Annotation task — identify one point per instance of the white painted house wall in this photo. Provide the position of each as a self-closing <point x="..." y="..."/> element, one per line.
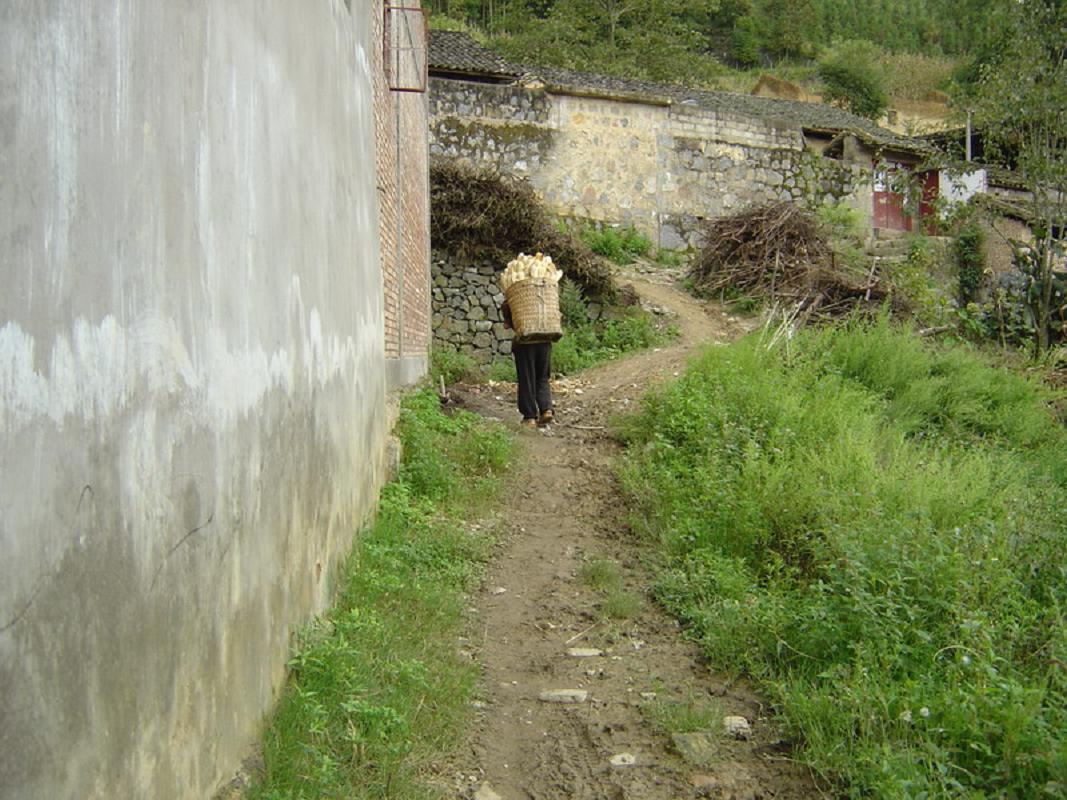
<point x="192" y="376"/>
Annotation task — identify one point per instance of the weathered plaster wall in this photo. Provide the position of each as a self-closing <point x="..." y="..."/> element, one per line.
<point x="661" y="168"/>
<point x="192" y="378"/>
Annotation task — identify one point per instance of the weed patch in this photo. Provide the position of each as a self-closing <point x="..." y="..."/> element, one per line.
<point x="376" y="686"/>
<point x="872" y="529"/>
<point x="623" y="246"/>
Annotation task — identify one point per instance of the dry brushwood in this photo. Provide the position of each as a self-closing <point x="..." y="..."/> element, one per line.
<point x="778" y="252"/>
<point x="475" y="213"/>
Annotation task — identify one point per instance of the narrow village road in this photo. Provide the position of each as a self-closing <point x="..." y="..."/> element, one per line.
<point x="566" y="512"/>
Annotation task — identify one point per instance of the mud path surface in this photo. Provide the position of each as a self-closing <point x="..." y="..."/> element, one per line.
<point x="566" y="510"/>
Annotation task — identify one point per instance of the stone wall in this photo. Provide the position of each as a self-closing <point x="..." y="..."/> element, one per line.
<point x="659" y="167"/>
<point x="466" y="308"/>
<point x="192" y="374"/>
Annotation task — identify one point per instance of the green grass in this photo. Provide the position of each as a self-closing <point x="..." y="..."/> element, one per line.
<point x="619" y="604"/>
<point x="691" y="715"/>
<point x="601" y="575"/>
<point x="874" y="531"/>
<point x="377" y="688"/>
<point x="621" y="245"/>
<point x="450" y="365"/>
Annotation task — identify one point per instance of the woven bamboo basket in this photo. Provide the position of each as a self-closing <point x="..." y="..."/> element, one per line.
<point x="534" y="305"/>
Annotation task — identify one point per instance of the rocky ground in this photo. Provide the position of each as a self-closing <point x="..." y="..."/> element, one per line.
<point x="570" y="696"/>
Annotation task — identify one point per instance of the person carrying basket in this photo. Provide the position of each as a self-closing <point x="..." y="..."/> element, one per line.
<point x="531" y="309"/>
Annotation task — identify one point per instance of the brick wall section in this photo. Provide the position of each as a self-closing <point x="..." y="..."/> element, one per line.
<point x="385" y="156"/>
<point x="414" y="205"/>
<point x="401" y="122"/>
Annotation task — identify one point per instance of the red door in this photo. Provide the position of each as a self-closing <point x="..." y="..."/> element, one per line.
<point x="927" y="206"/>
<point x="889" y="210"/>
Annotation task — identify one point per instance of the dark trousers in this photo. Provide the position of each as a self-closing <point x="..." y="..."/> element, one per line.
<point x="533" y="363"/>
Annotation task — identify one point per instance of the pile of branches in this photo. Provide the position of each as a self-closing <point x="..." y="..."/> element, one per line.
<point x="477" y="214"/>
<point x="779" y="252"/>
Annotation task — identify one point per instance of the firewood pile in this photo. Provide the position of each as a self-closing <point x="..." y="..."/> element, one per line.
<point x="779" y="253"/>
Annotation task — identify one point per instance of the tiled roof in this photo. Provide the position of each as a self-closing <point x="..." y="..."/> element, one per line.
<point x="818" y="116"/>
<point x="458" y="52"/>
<point x="455" y="51"/>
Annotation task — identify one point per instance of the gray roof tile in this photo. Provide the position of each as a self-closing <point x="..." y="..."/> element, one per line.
<point x="458" y="52"/>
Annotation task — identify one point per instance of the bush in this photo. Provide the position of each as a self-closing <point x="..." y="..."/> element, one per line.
<point x="873" y="530"/>
<point x="970" y="261"/>
<point x="852" y="78"/>
<point x="745" y="42"/>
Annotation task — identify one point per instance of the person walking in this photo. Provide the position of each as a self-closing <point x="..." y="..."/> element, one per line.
<point x="533" y="365"/>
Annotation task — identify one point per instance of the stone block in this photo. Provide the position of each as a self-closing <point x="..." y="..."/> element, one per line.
<point x="483" y="325"/>
<point x="483" y="340"/>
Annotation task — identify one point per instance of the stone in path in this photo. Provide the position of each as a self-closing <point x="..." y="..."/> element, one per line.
<point x="564" y="696"/>
<point x="697" y="748"/>
<point x="485" y="792"/>
<point x="584" y="652"/>
<point x="623" y="760"/>
<point x="737" y="727"/>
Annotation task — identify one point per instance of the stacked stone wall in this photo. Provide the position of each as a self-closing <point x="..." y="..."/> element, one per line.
<point x="466" y="308"/>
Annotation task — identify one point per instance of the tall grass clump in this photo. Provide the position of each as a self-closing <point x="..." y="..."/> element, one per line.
<point x="377" y="688"/>
<point x="874" y="530"/>
<point x="623" y="246"/>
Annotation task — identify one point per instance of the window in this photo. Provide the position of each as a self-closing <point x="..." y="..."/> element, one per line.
<point x="405" y="48"/>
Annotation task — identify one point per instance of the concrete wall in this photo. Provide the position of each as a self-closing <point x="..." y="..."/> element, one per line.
<point x="192" y="373"/>
<point x="661" y="168"/>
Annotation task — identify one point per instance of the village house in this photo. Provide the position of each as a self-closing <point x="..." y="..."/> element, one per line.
<point x="662" y="158"/>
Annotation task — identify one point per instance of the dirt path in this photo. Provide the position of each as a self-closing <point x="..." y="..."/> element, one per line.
<point x="568" y="511"/>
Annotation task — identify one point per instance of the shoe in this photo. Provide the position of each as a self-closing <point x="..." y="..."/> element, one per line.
<point x="529" y="423"/>
<point x="546" y="418"/>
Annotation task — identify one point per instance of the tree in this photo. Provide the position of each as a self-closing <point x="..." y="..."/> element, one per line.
<point x="853" y="79"/>
<point x="1020" y="105"/>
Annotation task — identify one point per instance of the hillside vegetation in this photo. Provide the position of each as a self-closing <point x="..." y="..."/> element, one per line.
<point x="712" y="42"/>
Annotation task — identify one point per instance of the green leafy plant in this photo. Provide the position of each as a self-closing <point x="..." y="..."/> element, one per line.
<point x="970" y="261"/>
<point x="450" y="365"/>
<point x="852" y="78"/>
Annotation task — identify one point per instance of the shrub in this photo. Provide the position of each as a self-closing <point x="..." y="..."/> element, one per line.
<point x="745" y="42"/>
<point x="873" y="530"/>
<point x="970" y="260"/>
<point x="853" y="79"/>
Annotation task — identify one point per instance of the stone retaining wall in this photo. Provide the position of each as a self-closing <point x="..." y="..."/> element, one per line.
<point x="466" y="308"/>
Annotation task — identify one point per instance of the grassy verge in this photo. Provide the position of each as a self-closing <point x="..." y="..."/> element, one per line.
<point x="874" y="530"/>
<point x="377" y="687"/>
